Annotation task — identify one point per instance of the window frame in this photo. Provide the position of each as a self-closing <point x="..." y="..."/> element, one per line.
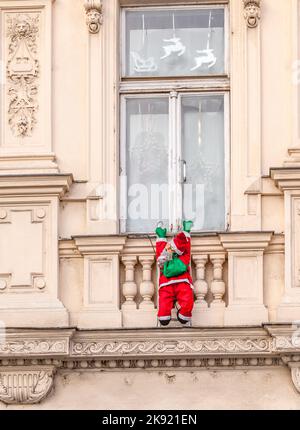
<point x="175" y="143"/>
<point x="151" y="87"/>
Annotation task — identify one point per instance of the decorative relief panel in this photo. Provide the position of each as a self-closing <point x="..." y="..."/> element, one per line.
<point x="26" y="97"/>
<point x="25" y="385"/>
<point x="22" y="71"/>
<point x="34" y="347"/>
<point x="172" y="346"/>
<point x="22" y="248"/>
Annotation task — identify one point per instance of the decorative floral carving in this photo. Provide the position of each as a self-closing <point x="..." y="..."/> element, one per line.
<point x="22" y="72"/>
<point x="287" y="342"/>
<point x="94" y="15"/>
<point x="25" y="385"/>
<point x="34" y="347"/>
<point x="252" y="12"/>
<point x="168" y="346"/>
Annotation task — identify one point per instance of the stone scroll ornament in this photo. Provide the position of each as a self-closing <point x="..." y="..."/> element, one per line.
<point x="252" y="12"/>
<point x="22" y="72"/>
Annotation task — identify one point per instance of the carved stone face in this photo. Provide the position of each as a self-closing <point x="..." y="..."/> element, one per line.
<point x="94" y="19"/>
<point x="252" y="9"/>
<point x="22" y="28"/>
<point x="252" y="13"/>
<point x="93" y="15"/>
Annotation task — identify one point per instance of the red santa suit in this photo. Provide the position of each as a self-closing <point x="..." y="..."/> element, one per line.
<point x="177" y="288"/>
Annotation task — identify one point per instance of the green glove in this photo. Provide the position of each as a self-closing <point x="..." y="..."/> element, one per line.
<point x="174" y="267"/>
<point x="187" y="226"/>
<point x="161" y="232"/>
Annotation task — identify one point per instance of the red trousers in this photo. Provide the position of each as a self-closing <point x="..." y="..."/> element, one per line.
<point x="169" y="294"/>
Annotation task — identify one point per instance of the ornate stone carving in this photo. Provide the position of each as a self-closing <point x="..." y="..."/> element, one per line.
<point x="172" y="346"/>
<point x="22" y="72"/>
<point x="296" y="377"/>
<point x="94" y="15"/>
<point x="252" y="12"/>
<point x="286" y="343"/>
<point x="22" y="385"/>
<point x="34" y="347"/>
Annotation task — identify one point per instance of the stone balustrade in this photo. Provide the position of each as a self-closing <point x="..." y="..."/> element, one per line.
<point x="139" y="290"/>
<point x="116" y="280"/>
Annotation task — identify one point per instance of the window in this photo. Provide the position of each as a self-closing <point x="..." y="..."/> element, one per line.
<point x="174" y="117"/>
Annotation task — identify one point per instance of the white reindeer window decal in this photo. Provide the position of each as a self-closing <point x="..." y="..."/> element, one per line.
<point x="141" y="64"/>
<point x="170" y="42"/>
<point x="175" y="44"/>
<point x="206" y="55"/>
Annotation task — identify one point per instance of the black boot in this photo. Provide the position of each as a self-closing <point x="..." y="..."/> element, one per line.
<point x="181" y="320"/>
<point x="165" y="322"/>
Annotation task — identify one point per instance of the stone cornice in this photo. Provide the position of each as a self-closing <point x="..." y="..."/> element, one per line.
<point x="35" y="184"/>
<point x="33" y="356"/>
<point x="246" y="241"/>
<point x="141" y="245"/>
<point x="68" y="249"/>
<point x="154" y="343"/>
<point x="286" y="178"/>
<point x="89" y="245"/>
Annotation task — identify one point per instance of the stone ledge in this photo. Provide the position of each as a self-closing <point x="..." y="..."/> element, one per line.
<point x="35" y="184"/>
<point x="271" y="339"/>
<point x="33" y="356"/>
<point x="37" y="343"/>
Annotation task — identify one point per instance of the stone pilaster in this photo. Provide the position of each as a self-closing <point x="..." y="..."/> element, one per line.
<point x="29" y="290"/>
<point x="287" y="180"/>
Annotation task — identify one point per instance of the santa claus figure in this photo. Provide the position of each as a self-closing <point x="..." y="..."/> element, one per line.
<point x="175" y="281"/>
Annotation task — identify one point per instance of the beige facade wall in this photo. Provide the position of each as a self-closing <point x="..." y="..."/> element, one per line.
<point x="66" y="271"/>
<point x="173" y="390"/>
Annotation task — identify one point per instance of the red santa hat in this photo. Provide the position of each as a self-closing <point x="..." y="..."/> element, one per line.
<point x="180" y="243"/>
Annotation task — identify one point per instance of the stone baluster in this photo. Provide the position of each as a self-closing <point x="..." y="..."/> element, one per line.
<point x="200" y="284"/>
<point x="147" y="286"/>
<point x="217" y="285"/>
<point x="129" y="286"/>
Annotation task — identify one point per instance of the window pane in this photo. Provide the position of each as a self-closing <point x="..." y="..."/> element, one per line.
<point x="147" y="149"/>
<point x="203" y="151"/>
<point x="175" y="42"/>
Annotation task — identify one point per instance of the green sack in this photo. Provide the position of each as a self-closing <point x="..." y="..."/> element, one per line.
<point x="175" y="267"/>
